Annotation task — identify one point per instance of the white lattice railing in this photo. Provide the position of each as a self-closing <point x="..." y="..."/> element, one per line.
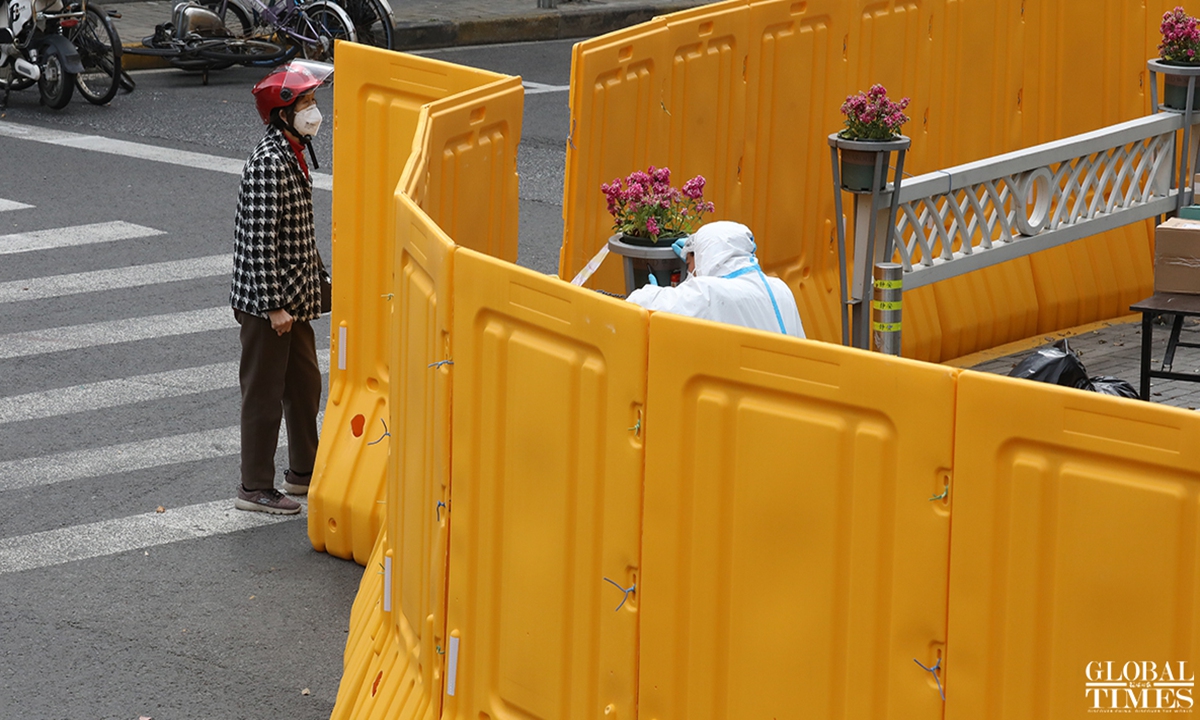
<point x="964" y="218"/>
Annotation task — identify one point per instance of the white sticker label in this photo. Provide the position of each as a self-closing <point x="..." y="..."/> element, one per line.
<point x="452" y="667"/>
<point x="387" y="584"/>
<point x="342" y="348"/>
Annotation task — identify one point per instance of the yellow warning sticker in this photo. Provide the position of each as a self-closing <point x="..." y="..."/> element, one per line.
<point x="885" y="327"/>
<point x="889" y="284"/>
<point x="886" y="304"/>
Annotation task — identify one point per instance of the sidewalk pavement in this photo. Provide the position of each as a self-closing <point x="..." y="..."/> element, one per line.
<point x="446" y="23"/>
<point x="1111" y="348"/>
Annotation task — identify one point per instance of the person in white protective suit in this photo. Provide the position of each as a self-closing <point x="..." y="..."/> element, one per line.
<point x="725" y="284"/>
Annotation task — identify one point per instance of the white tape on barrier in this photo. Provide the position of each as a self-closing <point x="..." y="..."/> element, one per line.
<point x="452" y="667"/>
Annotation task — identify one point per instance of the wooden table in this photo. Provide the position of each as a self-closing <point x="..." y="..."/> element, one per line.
<point x="1179" y="305"/>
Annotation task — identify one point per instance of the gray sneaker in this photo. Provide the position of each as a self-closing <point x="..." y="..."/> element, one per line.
<point x="268" y="501"/>
<point x="294" y="483"/>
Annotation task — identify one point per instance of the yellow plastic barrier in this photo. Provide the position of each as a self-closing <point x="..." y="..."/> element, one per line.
<point x="373" y="653"/>
<point x="465" y="175"/>
<point x="793" y="563"/>
<point x="1074" y="541"/>
<point x="549" y="389"/>
<point x="378" y="98"/>
<point x="395" y="653"/>
<point x="745" y="92"/>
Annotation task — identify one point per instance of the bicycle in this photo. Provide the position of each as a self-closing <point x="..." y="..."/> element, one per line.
<point x="308" y="29"/>
<point x="372" y="22"/>
<point x="94" y="36"/>
<point x="198" y="40"/>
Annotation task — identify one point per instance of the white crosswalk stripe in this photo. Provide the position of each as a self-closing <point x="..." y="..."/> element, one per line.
<point x="115" y="279"/>
<point x="108" y="537"/>
<point x="124" y="148"/>
<point x="126" y="391"/>
<point x="114" y="459"/>
<point x="111" y="332"/>
<point x="73" y="236"/>
<point x="6" y="205"/>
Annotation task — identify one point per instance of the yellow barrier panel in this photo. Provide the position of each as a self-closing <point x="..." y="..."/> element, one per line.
<point x="1009" y="75"/>
<point x="617" y="125"/>
<point x="1074" y="542"/>
<point x="418" y="484"/>
<point x="793" y="562"/>
<point x="549" y="386"/>
<point x="466" y="180"/>
<point x="377" y="99"/>
<point x="380" y="680"/>
<point x="395" y="652"/>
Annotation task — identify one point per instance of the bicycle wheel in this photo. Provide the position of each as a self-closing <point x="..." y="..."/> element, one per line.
<point x="372" y="23"/>
<point x="317" y="25"/>
<point x="241" y="51"/>
<point x="100" y="53"/>
<point x="235" y="17"/>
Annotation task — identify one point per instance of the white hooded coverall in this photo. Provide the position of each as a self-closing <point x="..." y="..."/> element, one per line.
<point x="727" y="285"/>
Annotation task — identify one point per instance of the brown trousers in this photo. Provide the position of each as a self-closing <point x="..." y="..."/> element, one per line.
<point x="280" y="378"/>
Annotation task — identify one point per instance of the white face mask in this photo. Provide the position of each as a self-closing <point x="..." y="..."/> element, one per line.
<point x="308" y="121"/>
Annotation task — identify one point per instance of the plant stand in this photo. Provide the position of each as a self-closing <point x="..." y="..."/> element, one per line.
<point x="1189" y="158"/>
<point x="869" y="248"/>
<point x="642" y="260"/>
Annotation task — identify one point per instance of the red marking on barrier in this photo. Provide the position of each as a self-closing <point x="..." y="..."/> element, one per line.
<point x="356" y="425"/>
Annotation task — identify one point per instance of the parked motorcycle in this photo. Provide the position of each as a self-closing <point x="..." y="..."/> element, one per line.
<point x="44" y="55"/>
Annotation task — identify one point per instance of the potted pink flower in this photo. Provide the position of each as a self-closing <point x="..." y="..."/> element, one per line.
<point x="646" y="209"/>
<point x="873" y="124"/>
<point x="1180" y="46"/>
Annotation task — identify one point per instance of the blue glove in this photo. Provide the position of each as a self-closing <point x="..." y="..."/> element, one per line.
<point x="677" y="246"/>
<point x="653" y="280"/>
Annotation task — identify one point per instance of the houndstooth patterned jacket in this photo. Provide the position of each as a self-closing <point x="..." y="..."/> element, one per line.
<point x="275" y="261"/>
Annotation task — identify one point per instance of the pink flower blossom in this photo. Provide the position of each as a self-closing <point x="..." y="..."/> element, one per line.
<point x="646" y="205"/>
<point x="1180" y="36"/>
<point x="694" y="188"/>
<point x="871" y="115"/>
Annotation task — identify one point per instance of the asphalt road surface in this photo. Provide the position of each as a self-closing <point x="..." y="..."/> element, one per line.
<point x="118" y="398"/>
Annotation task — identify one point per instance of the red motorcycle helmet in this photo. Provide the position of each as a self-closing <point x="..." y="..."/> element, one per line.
<point x="286" y="83"/>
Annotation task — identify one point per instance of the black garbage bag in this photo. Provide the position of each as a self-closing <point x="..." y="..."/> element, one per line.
<point x="1108" y="385"/>
<point x="1056" y="364"/>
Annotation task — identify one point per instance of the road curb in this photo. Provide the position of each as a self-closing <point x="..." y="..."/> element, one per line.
<point x="558" y="24"/>
<point x="140" y="62"/>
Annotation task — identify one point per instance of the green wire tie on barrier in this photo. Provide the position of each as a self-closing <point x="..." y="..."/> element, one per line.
<point x="438" y="509"/>
<point x="885" y="327"/>
<point x="943" y="496"/>
<point x="637" y="428"/>
<point x="889" y="284"/>
<point x="440" y="363"/>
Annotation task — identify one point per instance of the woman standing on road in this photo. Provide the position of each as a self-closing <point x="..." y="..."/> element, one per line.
<point x="277" y="290"/>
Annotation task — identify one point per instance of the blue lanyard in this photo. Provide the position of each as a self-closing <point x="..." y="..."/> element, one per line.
<point x="756" y="268"/>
